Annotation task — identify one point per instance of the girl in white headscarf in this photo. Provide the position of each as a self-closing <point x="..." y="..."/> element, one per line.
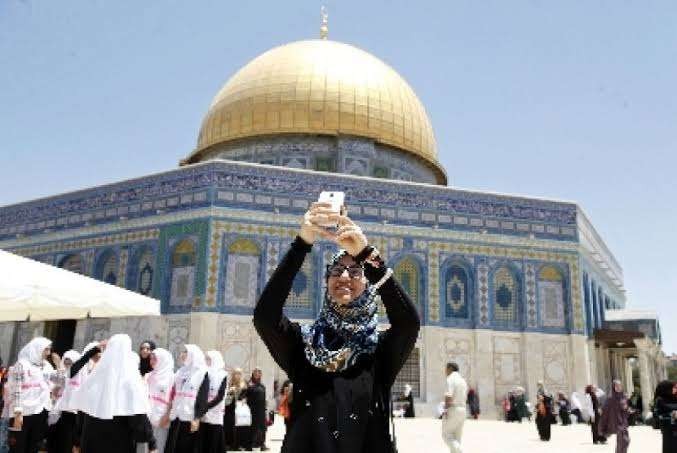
<point x="62" y="435"/>
<point x="191" y="390"/>
<point x="160" y="382"/>
<point x="114" y="401"/>
<point x="30" y="386"/>
<point x="211" y="428"/>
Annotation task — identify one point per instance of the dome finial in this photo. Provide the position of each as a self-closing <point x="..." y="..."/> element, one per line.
<point x="324" y="26"/>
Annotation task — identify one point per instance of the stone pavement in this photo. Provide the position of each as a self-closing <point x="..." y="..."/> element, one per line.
<point x="422" y="435"/>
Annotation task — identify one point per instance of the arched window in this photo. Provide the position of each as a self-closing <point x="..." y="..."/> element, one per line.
<point x="457" y="293"/>
<point x="184" y="258"/>
<point x="106" y="268"/>
<point x="242" y="273"/>
<point x="506" y="298"/>
<point x="73" y="263"/>
<point x="407" y="273"/>
<point x="551" y="296"/>
<point x="145" y="271"/>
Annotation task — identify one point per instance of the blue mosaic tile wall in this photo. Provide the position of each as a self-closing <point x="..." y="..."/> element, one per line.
<point x="258" y="187"/>
<point x="349" y="155"/>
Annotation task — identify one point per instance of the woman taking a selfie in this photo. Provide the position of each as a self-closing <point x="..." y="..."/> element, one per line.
<point x="341" y="366"/>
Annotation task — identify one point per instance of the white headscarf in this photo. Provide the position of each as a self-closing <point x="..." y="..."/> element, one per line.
<point x="71" y="384"/>
<point x="91" y="364"/>
<point x="195" y="366"/>
<point x="163" y="372"/>
<point x="31" y="354"/>
<point x="217" y="370"/>
<point x="407" y="390"/>
<point x="114" y="388"/>
<point x="72" y="355"/>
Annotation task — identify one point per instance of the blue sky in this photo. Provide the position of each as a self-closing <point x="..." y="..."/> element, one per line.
<point x="571" y="100"/>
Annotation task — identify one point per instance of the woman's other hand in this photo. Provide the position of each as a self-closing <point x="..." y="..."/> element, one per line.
<point x="350" y="237"/>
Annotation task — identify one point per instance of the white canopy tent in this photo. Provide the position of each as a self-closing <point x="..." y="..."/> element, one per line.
<point x="30" y="290"/>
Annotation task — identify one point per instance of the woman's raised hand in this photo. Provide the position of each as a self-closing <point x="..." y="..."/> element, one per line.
<point x="348" y="236"/>
<point x="318" y="214"/>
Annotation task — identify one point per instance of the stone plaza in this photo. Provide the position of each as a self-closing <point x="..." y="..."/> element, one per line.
<point x="422" y="435"/>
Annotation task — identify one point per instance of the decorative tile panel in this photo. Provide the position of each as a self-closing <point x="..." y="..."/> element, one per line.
<point x="530" y="286"/>
<point x="483" y="293"/>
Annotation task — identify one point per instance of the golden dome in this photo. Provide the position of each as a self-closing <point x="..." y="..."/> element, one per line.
<point x="320" y="87"/>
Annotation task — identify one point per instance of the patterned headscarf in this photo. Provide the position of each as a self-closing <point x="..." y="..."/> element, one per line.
<point x="342" y="333"/>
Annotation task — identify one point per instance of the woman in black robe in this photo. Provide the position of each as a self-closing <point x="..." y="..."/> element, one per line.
<point x="665" y="410"/>
<point x="256" y="400"/>
<point x="473" y="402"/>
<point x="114" y="403"/>
<point x="564" y="407"/>
<point x="237" y="391"/>
<point x="408" y="399"/>
<point x="614" y="419"/>
<point x="596" y="414"/>
<point x="543" y="417"/>
<point x="341" y="366"/>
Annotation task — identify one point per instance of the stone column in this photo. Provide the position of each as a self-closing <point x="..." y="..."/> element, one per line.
<point x="628" y="384"/>
<point x="644" y="374"/>
<point x="485" y="373"/>
<point x="581" y="365"/>
<point x="603" y="368"/>
<point x="532" y="345"/>
<point x="7" y="352"/>
<point x="203" y="330"/>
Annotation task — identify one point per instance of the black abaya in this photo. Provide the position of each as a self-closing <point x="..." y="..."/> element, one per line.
<point x="409" y="411"/>
<point x="663" y="410"/>
<point x="594" y="425"/>
<point x="181" y="440"/>
<point x="212" y="437"/>
<point x="229" y="421"/>
<point x="543" y="421"/>
<point x="62" y="434"/>
<point x="256" y="400"/>
<point x="119" y="435"/>
<point x="33" y="432"/>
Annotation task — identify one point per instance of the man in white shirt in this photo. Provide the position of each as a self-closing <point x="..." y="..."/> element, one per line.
<point x="454" y="402"/>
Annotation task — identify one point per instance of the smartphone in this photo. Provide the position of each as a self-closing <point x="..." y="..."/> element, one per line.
<point x="336" y="199"/>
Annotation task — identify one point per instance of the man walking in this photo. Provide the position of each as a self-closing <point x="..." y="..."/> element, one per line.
<point x="454" y="404"/>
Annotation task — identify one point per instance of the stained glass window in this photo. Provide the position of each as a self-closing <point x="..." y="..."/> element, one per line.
<point x="456" y="293"/>
<point x="505" y="297"/>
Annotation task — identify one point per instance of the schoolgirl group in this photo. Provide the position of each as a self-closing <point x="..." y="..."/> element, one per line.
<point x="111" y="399"/>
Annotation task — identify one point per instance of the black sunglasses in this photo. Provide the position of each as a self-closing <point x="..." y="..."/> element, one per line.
<point x="338" y="269"/>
